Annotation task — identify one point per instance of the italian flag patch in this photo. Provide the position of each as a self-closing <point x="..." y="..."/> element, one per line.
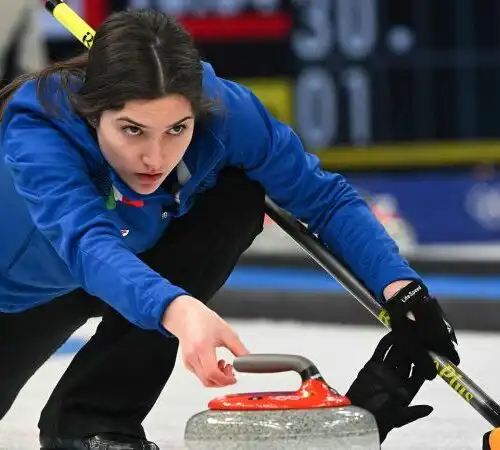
<point x="116" y="196"/>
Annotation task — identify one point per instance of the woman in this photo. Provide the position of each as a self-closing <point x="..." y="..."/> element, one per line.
<point x="132" y="180"/>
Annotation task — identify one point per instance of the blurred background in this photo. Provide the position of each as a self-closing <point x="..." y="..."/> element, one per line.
<point x="401" y="97"/>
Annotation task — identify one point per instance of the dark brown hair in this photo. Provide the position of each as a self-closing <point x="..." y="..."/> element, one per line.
<point x="136" y="54"/>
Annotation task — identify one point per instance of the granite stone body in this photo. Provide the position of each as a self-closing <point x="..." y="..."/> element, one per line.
<point x="340" y="428"/>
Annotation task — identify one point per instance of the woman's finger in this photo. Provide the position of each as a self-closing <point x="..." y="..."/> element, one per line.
<point x="233" y="343"/>
<point x="210" y="365"/>
<point x="193" y="364"/>
<point x="228" y="371"/>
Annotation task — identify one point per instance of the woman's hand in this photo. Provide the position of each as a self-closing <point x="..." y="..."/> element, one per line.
<point x="419" y="325"/>
<point x="200" y="331"/>
<point x="386" y="386"/>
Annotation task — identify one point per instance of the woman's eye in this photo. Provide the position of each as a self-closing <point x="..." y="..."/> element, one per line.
<point x="131" y="130"/>
<point x="178" y="129"/>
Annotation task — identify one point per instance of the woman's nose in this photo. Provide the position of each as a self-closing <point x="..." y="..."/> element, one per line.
<point x="153" y="158"/>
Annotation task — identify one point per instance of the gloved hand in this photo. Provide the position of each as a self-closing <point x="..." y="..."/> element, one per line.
<point x="386" y="385"/>
<point x="429" y="331"/>
<point x="491" y="440"/>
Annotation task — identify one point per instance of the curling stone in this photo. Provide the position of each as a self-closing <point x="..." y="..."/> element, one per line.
<point x="313" y="417"/>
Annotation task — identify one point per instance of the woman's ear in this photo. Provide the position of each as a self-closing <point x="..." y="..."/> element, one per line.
<point x="93" y="121"/>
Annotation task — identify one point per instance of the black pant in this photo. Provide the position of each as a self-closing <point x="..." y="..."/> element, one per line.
<point x="115" y="379"/>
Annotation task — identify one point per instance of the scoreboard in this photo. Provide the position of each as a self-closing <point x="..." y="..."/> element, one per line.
<point x="370" y="73"/>
<point x="365" y="83"/>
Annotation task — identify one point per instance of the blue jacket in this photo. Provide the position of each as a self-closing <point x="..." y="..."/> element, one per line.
<point x="67" y="220"/>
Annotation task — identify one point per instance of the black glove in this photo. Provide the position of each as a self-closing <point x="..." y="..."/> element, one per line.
<point x="429" y="331"/>
<point x="386" y="385"/>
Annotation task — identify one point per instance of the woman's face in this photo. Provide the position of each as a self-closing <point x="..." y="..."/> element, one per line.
<point x="144" y="141"/>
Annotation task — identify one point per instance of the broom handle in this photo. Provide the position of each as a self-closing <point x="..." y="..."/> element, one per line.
<point x="449" y="372"/>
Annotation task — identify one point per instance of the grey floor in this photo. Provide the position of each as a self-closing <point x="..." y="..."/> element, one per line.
<point x="338" y="351"/>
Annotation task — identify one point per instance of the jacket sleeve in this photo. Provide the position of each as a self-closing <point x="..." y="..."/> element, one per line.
<point x="68" y="209"/>
<point x="273" y="154"/>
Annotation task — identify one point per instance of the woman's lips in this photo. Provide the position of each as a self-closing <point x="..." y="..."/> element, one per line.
<point x="145" y="178"/>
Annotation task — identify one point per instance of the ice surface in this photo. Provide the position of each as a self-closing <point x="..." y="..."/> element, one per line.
<point x="338" y="351"/>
